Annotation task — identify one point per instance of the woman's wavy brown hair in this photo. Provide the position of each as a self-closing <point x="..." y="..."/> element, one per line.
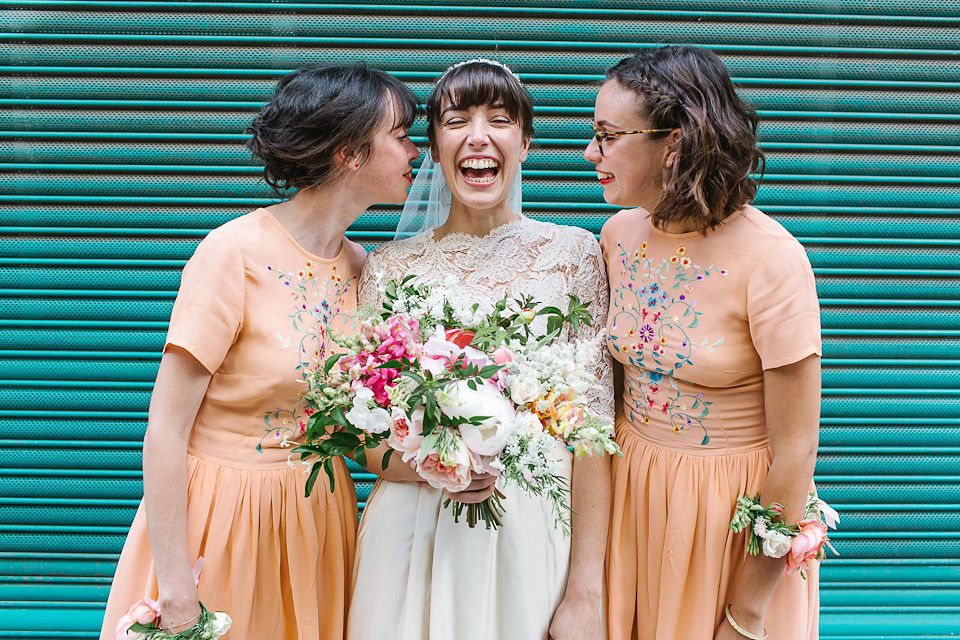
<point x="318" y="111"/>
<point x="688" y="88"/>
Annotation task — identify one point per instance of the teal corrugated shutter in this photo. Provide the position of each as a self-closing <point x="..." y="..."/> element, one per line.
<point x="120" y="137"/>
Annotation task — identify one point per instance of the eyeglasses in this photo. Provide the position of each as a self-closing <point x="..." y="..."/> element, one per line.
<point x="603" y="135"/>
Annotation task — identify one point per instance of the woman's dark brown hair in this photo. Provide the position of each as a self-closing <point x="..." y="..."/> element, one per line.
<point x="479" y="83"/>
<point x="319" y="111"/>
<point x="688" y="88"/>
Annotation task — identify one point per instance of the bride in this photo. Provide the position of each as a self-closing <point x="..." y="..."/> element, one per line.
<point x="419" y="574"/>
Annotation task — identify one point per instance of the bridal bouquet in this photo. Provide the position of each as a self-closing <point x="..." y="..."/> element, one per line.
<point x="457" y="388"/>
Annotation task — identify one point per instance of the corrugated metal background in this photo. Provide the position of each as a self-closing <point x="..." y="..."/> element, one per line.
<point x="120" y="138"/>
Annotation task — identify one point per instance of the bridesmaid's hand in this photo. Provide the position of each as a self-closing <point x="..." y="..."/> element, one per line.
<point x="576" y="618"/>
<point x="481" y="487"/>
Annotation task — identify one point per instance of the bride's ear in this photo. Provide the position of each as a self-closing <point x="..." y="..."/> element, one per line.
<point x="433" y="155"/>
<point x="524" y="149"/>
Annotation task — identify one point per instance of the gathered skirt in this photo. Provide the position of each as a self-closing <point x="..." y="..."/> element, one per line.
<point x="672" y="561"/>
<point x="278" y="563"/>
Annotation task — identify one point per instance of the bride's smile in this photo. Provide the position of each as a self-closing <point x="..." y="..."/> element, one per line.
<point x="479" y="149"/>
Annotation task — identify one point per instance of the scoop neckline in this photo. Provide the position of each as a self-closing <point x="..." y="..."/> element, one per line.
<point x="691" y="234"/>
<point x="276" y="223"/>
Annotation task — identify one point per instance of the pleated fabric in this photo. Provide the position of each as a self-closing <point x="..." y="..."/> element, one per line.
<point x="673" y="562"/>
<point x="277" y="562"/>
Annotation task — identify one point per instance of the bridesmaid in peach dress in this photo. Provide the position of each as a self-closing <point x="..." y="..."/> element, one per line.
<point x="714" y="324"/>
<point x="255" y="303"/>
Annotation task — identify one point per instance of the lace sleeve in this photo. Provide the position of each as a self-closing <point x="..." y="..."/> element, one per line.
<point x="371" y="278"/>
<point x="589" y="283"/>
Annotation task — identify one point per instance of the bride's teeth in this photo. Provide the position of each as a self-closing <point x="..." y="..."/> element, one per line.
<point x="479" y="163"/>
<point x="603" y="176"/>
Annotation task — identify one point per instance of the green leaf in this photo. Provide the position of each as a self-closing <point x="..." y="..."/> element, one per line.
<point x="332" y="360"/>
<point x="386" y="458"/>
<point x="328" y="469"/>
<point x="360" y="457"/>
<point x="490" y="370"/>
<point x="312" y="479"/>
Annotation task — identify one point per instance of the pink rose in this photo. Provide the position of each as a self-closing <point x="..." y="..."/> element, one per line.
<point x="406" y="432"/>
<point x="807" y="545"/>
<point x="144" y="612"/>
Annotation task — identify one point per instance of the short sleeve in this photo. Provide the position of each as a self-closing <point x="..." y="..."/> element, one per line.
<point x="208" y="312"/>
<point x="782" y="307"/>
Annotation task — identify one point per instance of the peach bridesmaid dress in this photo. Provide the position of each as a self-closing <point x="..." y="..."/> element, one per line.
<point x="277" y="562"/>
<point x="695" y="320"/>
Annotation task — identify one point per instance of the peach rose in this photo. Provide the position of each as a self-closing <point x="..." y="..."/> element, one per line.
<point x="807" y="545"/>
<point x="144" y="612"/>
<point x="447" y="468"/>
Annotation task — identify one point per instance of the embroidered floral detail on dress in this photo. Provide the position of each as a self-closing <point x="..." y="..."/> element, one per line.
<point x="653" y="303"/>
<point x="318" y="310"/>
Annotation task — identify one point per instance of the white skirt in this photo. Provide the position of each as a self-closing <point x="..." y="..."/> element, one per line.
<point x="419" y="575"/>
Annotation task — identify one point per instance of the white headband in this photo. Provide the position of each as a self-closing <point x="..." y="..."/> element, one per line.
<point x="484" y="61"/>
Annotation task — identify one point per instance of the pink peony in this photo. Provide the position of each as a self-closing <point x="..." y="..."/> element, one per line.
<point x="808" y="544"/>
<point x="445" y="469"/>
<point x="502" y="355"/>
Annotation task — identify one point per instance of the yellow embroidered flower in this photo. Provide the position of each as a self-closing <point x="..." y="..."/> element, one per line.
<point x="643" y="246"/>
<point x="308" y="264"/>
<point x="674" y="259"/>
<point x="681" y="250"/>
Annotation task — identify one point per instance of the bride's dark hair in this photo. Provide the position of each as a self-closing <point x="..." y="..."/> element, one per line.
<point x="479" y="83"/>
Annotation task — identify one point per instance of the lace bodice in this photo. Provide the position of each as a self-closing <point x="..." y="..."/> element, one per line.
<point x="523" y="257"/>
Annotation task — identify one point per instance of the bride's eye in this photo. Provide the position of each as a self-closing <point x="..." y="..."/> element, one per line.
<point x="453" y="122"/>
<point x="502" y="121"/>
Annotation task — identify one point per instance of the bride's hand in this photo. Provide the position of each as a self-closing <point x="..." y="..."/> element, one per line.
<point x="481" y="487"/>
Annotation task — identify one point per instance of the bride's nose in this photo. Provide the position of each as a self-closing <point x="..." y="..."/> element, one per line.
<point x="478" y="133"/>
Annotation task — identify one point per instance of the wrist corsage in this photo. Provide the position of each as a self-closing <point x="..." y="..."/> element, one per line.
<point x="142" y="622"/>
<point x="799" y="542"/>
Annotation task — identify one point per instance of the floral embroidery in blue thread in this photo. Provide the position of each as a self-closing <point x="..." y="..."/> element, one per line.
<point x="318" y="310"/>
<point x="652" y="299"/>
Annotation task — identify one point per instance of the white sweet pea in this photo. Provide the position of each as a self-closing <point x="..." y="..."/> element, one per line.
<point x="362" y="417"/>
<point x="776" y="544"/>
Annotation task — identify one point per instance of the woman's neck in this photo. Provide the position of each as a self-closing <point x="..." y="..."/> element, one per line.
<point x="317" y="218"/>
<point x="476" y="222"/>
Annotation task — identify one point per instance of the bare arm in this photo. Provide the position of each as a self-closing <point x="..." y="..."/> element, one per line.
<point x="791" y="397"/>
<point x="181" y="384"/>
<point x="578" y="615"/>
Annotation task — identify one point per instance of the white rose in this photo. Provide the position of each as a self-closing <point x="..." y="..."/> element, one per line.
<point x="527" y="424"/>
<point x="220" y="624"/>
<point x="460" y="401"/>
<point x="525" y="388"/>
<point x="776" y="544"/>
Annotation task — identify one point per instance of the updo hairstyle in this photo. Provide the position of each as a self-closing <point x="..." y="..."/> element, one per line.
<point x="317" y="111"/>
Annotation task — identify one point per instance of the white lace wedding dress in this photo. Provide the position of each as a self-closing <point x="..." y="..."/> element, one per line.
<point x="419" y="575"/>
